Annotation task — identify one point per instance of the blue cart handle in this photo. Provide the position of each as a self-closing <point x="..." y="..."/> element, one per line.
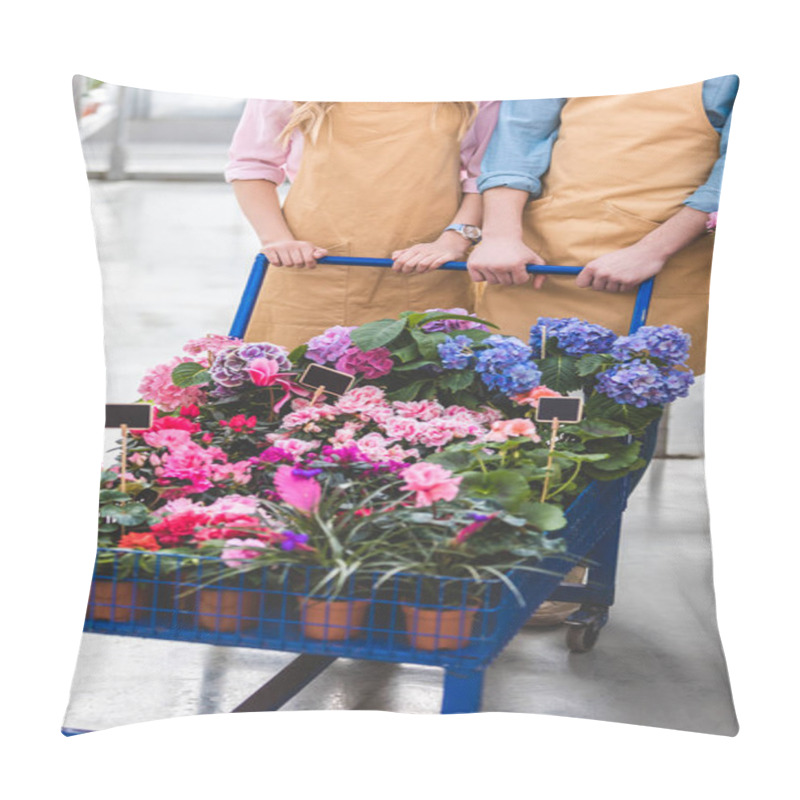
<point x="259" y="270"/>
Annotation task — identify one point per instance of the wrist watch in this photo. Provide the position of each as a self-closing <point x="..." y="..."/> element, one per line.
<point x="472" y="233"/>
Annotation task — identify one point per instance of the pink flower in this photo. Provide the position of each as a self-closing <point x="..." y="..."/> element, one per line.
<point x="157" y="387"/>
<point x="237" y="551"/>
<point x="431" y="482"/>
<point x="360" y="399"/>
<point x="262" y="371"/>
<point x="371" y="364"/>
<point x="212" y="344"/>
<point x="435" y="436"/>
<point x="302" y="492"/>
<point x="170" y="438"/>
<point x="531" y="398"/>
<point x="505" y="429"/>
<point x="421" y="410"/>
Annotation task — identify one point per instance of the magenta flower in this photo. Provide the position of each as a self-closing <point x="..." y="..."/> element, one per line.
<point x="431" y="482"/>
<point x="266" y="372"/>
<point x="371" y="364"/>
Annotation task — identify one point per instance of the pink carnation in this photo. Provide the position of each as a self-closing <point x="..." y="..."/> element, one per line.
<point x="157" y="388"/>
<point x="170" y="437"/>
<point x="431" y="482"/>
<point x="422" y="410"/>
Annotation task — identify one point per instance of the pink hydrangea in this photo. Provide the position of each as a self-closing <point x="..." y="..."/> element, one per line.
<point x="431" y="482"/>
<point x="157" y="388"/>
<point x="371" y="364"/>
<point x="210" y="344"/>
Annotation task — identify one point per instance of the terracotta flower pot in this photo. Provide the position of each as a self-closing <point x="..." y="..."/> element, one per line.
<point x="332" y="620"/>
<point x="438" y="628"/>
<point x="118" y="601"/>
<point x="225" y="610"/>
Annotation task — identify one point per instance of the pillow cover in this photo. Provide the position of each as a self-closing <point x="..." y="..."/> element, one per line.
<point x="391" y="445"/>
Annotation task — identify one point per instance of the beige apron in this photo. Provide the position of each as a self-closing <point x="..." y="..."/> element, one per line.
<point x="621" y="165"/>
<point x="380" y="177"/>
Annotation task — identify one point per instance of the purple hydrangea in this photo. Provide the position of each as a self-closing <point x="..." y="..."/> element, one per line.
<point x="449" y="325"/>
<point x="507" y="365"/>
<point x="229" y="370"/>
<point x="641" y="383"/>
<point x="331" y="345"/>
<point x="666" y="342"/>
<point x="456" y="352"/>
<point x="575" y="337"/>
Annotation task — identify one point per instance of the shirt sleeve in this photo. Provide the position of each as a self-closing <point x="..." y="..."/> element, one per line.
<point x="718" y="97"/>
<point x="255" y="153"/>
<point x="519" y="151"/>
<point x="474" y="144"/>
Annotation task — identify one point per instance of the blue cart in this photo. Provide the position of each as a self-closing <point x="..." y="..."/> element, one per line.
<point x="161" y="600"/>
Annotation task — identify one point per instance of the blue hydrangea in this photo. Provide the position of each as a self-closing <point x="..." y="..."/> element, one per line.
<point x="575" y="337"/>
<point x="506" y="364"/>
<point x="666" y="342"/>
<point x="456" y="352"/>
<point x="641" y="383"/>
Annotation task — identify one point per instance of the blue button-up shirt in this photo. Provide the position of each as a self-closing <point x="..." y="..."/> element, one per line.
<point x="519" y="151"/>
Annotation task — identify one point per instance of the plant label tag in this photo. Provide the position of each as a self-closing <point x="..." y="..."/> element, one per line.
<point x="564" y="409"/>
<point x="134" y="415"/>
<point x="331" y="381"/>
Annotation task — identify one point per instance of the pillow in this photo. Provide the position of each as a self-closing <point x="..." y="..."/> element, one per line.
<point x="339" y="457"/>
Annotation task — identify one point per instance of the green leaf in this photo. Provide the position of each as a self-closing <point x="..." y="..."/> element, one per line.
<point x="637" y="419"/>
<point x="407" y="392"/>
<point x="602" y="428"/>
<point x="457" y="381"/>
<point x="407" y="353"/>
<point x="619" y="457"/>
<point x="590" y="363"/>
<point x="504" y="486"/>
<point x="132" y="514"/>
<point x="190" y="374"/>
<point x="377" y="334"/>
<point x="560" y="373"/>
<point x="544" y="516"/>
<point x="298" y="353"/>
<point x="428" y="343"/>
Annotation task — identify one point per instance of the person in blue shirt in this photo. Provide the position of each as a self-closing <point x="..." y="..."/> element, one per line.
<point x="620" y="185"/>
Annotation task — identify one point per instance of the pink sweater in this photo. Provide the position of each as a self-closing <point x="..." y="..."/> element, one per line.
<point x="256" y="155"/>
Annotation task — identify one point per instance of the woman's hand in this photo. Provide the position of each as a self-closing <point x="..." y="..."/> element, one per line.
<point x="450" y="246"/>
<point x="503" y="261"/>
<point x="291" y="253"/>
<point x="622" y="270"/>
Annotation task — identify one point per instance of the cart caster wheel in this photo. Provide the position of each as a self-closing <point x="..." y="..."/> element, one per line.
<point x="581" y="638"/>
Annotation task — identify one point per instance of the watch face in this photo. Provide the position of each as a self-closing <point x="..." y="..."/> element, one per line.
<point x="471" y="232"/>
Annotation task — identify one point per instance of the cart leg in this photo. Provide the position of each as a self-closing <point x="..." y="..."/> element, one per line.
<point x="462" y="691"/>
<point x="286" y="684"/>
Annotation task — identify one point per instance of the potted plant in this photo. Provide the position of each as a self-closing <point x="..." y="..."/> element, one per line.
<point x="448" y="548"/>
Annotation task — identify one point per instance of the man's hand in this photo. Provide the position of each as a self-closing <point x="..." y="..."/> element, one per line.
<point x="502" y="261"/>
<point x="622" y="270"/>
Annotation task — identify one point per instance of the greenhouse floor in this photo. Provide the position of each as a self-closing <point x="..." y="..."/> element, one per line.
<point x="658" y="661"/>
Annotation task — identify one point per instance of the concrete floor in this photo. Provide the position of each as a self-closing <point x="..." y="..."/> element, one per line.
<point x="174" y="258"/>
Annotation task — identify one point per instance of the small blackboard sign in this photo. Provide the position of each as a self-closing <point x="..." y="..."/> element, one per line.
<point x="564" y="409"/>
<point x="333" y="381"/>
<point x="134" y="415"/>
